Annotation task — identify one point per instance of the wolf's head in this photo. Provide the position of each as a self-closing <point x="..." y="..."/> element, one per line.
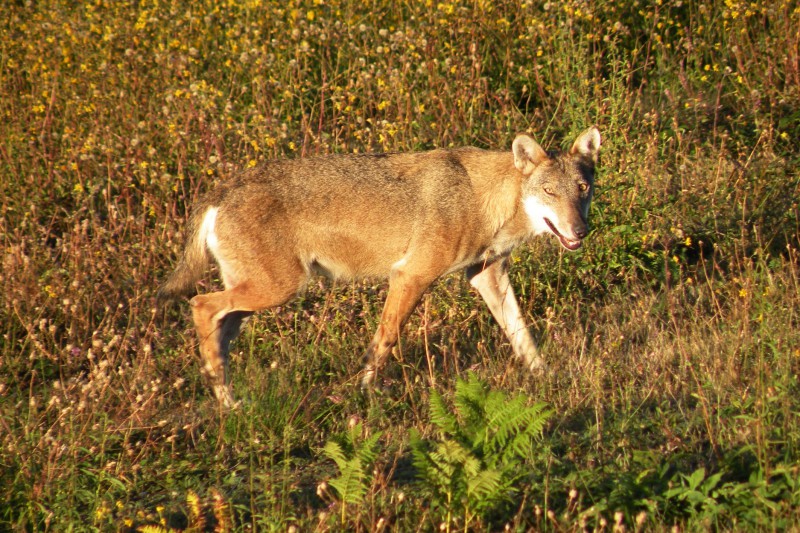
<point x="557" y="189"/>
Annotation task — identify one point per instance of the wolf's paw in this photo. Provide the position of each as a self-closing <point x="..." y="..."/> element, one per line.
<point x="368" y="378"/>
<point x="536" y="365"/>
<point x="225" y="398"/>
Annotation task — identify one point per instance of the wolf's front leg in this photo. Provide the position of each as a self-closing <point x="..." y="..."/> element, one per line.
<point x="405" y="291"/>
<point x="492" y="282"/>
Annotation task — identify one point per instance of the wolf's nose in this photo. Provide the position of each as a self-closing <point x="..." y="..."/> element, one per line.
<point x="581" y="232"/>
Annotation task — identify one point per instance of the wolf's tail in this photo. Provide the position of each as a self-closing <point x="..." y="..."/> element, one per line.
<point x="191" y="266"/>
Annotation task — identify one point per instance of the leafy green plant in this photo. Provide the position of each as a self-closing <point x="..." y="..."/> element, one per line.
<point x="473" y="465"/>
<point x="709" y="499"/>
<point x="699" y="492"/>
<point x="354" y="455"/>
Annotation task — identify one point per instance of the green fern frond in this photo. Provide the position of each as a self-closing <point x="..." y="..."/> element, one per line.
<point x="513" y="424"/>
<point x="471" y="389"/>
<point x="354" y="458"/>
<point x="451" y="452"/>
<point x="419" y="449"/>
<point x="470" y="403"/>
<point x="351" y="484"/>
<point x="486" y="484"/>
<point x="484" y="440"/>
<point x="367" y="451"/>
<point x="333" y="450"/>
<point x="440" y="415"/>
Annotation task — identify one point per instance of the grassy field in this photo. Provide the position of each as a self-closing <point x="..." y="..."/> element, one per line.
<point x="672" y="398"/>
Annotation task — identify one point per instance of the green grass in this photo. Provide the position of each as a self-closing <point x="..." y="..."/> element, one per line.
<point x="672" y="336"/>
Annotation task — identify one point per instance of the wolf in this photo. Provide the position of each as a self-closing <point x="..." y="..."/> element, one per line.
<point x="410" y="218"/>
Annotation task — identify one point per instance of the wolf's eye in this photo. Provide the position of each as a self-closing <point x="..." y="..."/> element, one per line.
<point x="549" y="191"/>
<point x="583" y="187"/>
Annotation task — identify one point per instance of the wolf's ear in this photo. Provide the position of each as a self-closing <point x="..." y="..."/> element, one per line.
<point x="527" y="153"/>
<point x="587" y="144"/>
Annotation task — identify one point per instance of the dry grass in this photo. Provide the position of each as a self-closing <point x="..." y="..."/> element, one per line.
<point x="672" y="336"/>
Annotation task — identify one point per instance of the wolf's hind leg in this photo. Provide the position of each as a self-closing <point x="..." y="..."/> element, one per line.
<point x="230" y="327"/>
<point x="219" y="316"/>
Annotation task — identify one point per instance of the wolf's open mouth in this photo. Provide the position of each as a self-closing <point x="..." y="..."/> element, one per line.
<point x="566" y="243"/>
